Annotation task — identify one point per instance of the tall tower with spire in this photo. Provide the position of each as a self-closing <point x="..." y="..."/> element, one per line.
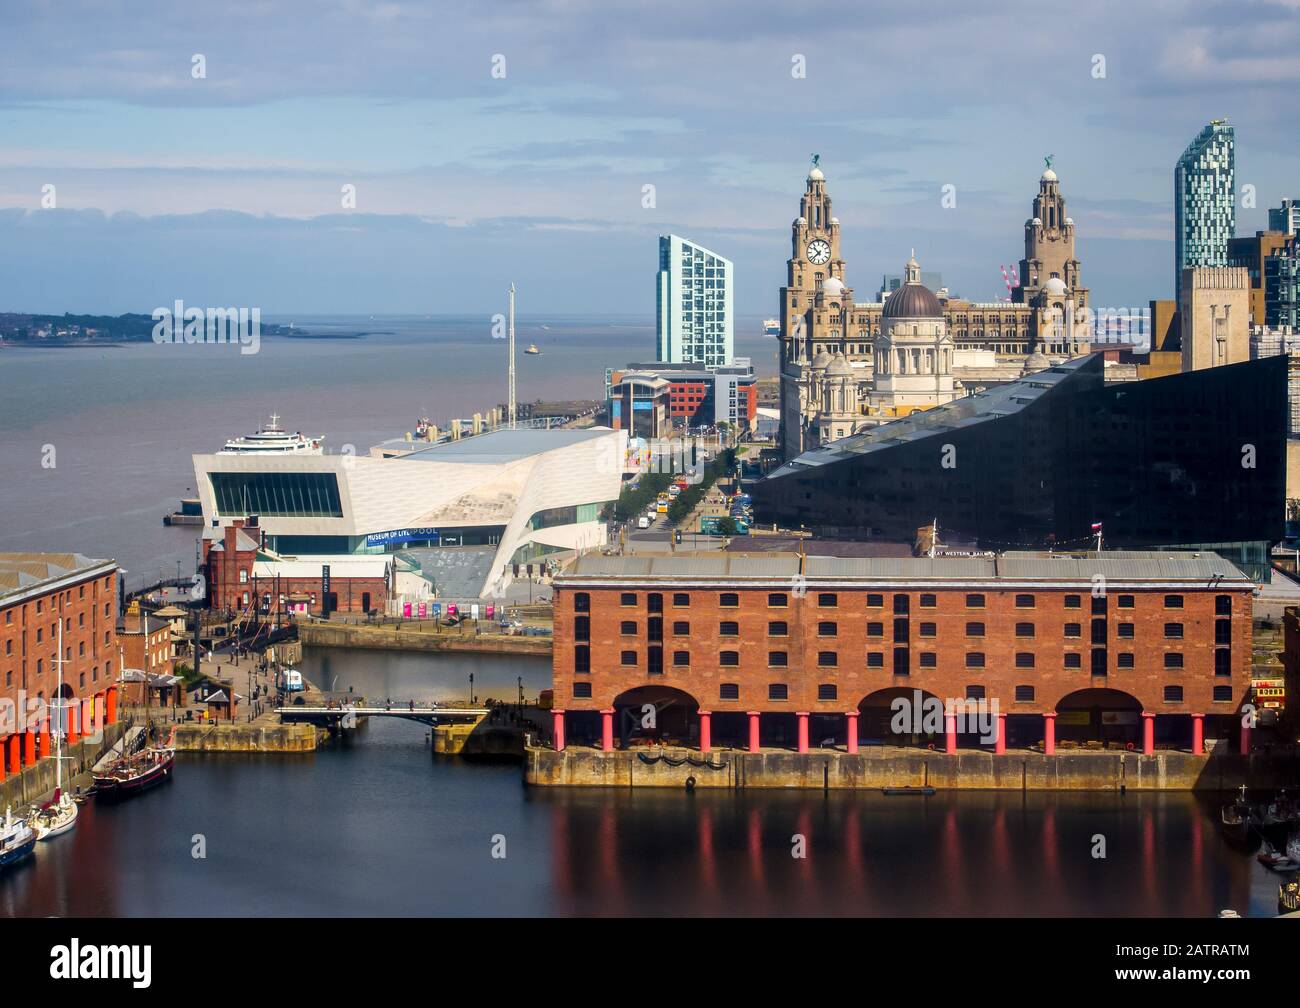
<point x="1049" y="275"/>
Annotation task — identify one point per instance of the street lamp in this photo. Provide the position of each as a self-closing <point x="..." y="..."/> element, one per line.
<point x="471" y="689"/>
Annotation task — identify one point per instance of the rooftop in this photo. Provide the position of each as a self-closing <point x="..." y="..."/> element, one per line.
<point x="1075" y="567"/>
<point x="22" y="571"/>
<point x="501" y="446"/>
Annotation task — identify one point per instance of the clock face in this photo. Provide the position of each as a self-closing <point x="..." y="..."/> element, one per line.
<point x="819" y="251"/>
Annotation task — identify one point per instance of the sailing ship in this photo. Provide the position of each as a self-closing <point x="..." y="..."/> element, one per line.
<point x="59" y="815"/>
<point x="17" y="840"/>
<point x="532" y="349"/>
<point x="137" y="772"/>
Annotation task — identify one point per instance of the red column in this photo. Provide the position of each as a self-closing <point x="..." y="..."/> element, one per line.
<point x="803" y="730"/>
<point x="4" y="752"/>
<point x="706" y="731"/>
<point x="853" y="730"/>
<point x="1000" y="740"/>
<point x="29" y="748"/>
<point x="753" y="731"/>
<point x="950" y="732"/>
<point x="1148" y="734"/>
<point x="72" y="723"/>
<point x="110" y="705"/>
<point x="557" y="730"/>
<point x="1049" y="733"/>
<point x="1245" y="739"/>
<point x="607" y="729"/>
<point x="1198" y="734"/>
<point x="14" y="752"/>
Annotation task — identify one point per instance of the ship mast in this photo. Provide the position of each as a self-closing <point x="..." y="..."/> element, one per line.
<point x="510" y="335"/>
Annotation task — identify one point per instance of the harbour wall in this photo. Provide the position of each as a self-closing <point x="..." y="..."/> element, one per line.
<point x="36" y="782"/>
<point x="388" y="638"/>
<point x="881" y="768"/>
<point x="261" y="738"/>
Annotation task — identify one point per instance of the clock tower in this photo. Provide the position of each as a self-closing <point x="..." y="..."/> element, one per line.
<point x="814" y="311"/>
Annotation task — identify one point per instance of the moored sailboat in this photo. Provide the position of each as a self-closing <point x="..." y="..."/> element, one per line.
<point x="58" y="816"/>
<point x="138" y="772"/>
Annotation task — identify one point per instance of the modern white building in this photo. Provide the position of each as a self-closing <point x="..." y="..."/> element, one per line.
<point x="1205" y="202"/>
<point x="693" y="304"/>
<point x="471" y="508"/>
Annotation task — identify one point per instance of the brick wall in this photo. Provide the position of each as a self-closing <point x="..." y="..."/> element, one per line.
<point x="864" y="623"/>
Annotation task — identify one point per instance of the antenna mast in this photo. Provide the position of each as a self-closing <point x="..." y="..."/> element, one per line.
<point x="510" y="330"/>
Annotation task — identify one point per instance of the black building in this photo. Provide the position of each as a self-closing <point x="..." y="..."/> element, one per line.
<point x="1194" y="460"/>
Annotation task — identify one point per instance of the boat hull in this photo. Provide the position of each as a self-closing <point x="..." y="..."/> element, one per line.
<point x="57" y="827"/>
<point x="116" y="787"/>
<point x="18" y="853"/>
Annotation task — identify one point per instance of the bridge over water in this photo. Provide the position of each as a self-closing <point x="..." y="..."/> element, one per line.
<point x="334" y="717"/>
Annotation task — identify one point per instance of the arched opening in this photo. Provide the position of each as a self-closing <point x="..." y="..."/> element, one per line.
<point x="647" y="715"/>
<point x="1101" y="717"/>
<point x="918" y="722"/>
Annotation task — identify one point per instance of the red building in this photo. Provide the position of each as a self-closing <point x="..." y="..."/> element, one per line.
<point x="38" y="592"/>
<point x="1119" y="648"/>
<point x="696" y="396"/>
<point x="243" y="576"/>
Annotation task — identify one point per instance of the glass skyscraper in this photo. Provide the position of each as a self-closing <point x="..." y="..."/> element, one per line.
<point x="1205" y="207"/>
<point x="693" y="304"/>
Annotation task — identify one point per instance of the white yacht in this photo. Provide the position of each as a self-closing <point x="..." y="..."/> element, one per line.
<point x="274" y="440"/>
<point x="771" y="327"/>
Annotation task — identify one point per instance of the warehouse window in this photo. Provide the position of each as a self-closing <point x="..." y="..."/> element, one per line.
<point x="875" y="629"/>
<point x="1223" y="605"/>
<point x="1223" y="631"/>
<point x="1125" y="630"/>
<point x="1024" y="629"/>
<point x="827" y="691"/>
<point x="902" y="605"/>
<point x="1126" y="601"/>
<point x="1173" y="659"/>
<point x="582" y="628"/>
<point x="828" y="659"/>
<point x="875" y="659"/>
<point x="778" y="691"/>
<point x="729" y="600"/>
<point x="681" y="658"/>
<point x="728" y="628"/>
<point x="1073" y="660"/>
<point x="974" y="692"/>
<point x="1024" y="659"/>
<point x="628" y="628"/>
<point x="929" y="601"/>
<point x="1173" y="694"/>
<point x="627" y="599"/>
<point x="1223" y="694"/>
<point x="974" y="601"/>
<point x="875" y="601"/>
<point x="777" y="600"/>
<point x="928" y="659"/>
<point x="1073" y="630"/>
<point x="681" y="599"/>
<point x="729" y="691"/>
<point x="681" y="628"/>
<point x="629" y="658"/>
<point x="1024" y="601"/>
<point x="729" y="659"/>
<point x="582" y="691"/>
<point x="777" y="628"/>
<point x="1024" y="694"/>
<point x="582" y="659"/>
<point x="929" y="630"/>
<point x="1073" y="601"/>
<point x="826" y="628"/>
<point x="581" y="602"/>
<point x="1173" y="601"/>
<point x="975" y="659"/>
<point x="778" y="659"/>
<point x="1223" y="662"/>
<point x="654" y="602"/>
<point x="1173" y="631"/>
<point x="828" y="600"/>
<point x="974" y="629"/>
<point x="1124" y="659"/>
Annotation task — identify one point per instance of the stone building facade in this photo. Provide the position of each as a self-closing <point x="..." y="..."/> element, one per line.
<point x="831" y="344"/>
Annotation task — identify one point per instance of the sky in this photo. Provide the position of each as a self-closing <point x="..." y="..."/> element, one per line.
<point x="512" y="141"/>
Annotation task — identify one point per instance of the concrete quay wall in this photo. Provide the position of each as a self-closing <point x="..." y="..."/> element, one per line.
<point x="981" y="771"/>
<point x="389" y="638"/>
<point x="261" y="738"/>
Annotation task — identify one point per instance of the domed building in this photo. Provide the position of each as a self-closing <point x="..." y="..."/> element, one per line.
<point x="916" y="345"/>
<point x="912" y="360"/>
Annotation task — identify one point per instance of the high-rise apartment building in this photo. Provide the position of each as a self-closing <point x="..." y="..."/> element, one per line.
<point x="694" y="296"/>
<point x="1205" y="209"/>
<point x="1285" y="218"/>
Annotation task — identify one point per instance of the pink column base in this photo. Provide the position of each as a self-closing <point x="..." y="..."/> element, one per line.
<point x="1148" y="734"/>
<point x="1000" y="740"/>
<point x="1198" y="734"/>
<point x="753" y="730"/>
<point x="852" y="717"/>
<point x="607" y="729"/>
<point x="803" y="730"/>
<point x="950" y="733"/>
<point x="557" y="730"/>
<point x="706" y="731"/>
<point x="1049" y="734"/>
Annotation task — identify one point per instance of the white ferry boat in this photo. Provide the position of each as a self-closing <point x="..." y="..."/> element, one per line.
<point x="274" y="440"/>
<point x="772" y="327"/>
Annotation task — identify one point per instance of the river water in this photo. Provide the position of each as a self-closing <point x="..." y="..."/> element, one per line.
<point x="377" y="826"/>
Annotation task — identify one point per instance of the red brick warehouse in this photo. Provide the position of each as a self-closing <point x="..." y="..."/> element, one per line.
<point x="38" y="592"/>
<point x="1132" y="648"/>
